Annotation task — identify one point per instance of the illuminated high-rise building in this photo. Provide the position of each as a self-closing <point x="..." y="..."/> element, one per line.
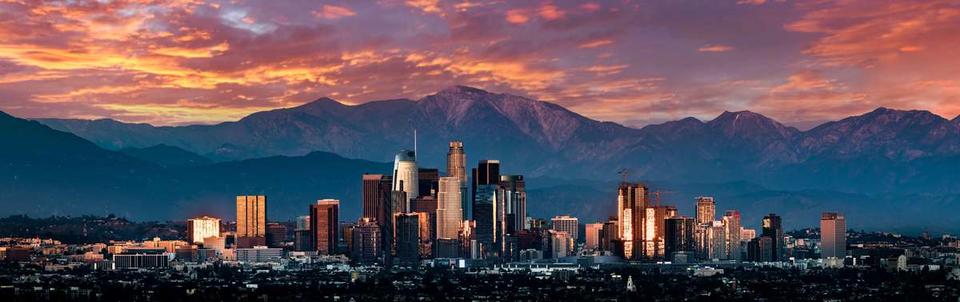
<point x="833" y="235"/>
<point x="592" y="235"/>
<point x="706" y="210"/>
<point x="731" y="223"/>
<point x="567" y="224"/>
<point x="514" y="194"/>
<point x="405" y="175"/>
<point x="324" y="225"/>
<point x="251" y="221"/>
<point x="202" y="227"/>
<point x="653" y="231"/>
<point x="449" y="213"/>
<point x="772" y="228"/>
<point x="457" y="161"/>
<point x="457" y="167"/>
<point x="631" y="200"/>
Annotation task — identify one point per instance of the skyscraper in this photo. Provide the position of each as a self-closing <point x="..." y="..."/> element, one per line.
<point x="706" y="210"/>
<point x="592" y="235"/>
<point x="631" y="200"/>
<point x="365" y="245"/>
<point x="514" y="195"/>
<point x="833" y="235"/>
<point x="487" y="172"/>
<point x="427" y="182"/>
<point x="202" y="227"/>
<point x="405" y="175"/>
<point x="376" y="196"/>
<point x="567" y="224"/>
<point x="251" y="221"/>
<point x="678" y="235"/>
<point x="457" y="167"/>
<point x="302" y="239"/>
<point x="276" y="234"/>
<point x="457" y="161"/>
<point x="772" y="228"/>
<point x="408" y="238"/>
<point x="485" y="214"/>
<point x="449" y="213"/>
<point x="653" y="231"/>
<point x="324" y="224"/>
<point x="731" y="221"/>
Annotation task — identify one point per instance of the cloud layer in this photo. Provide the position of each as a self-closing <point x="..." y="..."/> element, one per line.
<point x="634" y="62"/>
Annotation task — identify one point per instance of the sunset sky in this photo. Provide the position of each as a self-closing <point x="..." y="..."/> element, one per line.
<point x="633" y="62"/>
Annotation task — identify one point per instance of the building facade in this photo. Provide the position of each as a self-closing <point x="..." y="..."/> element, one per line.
<point x="324" y="225"/>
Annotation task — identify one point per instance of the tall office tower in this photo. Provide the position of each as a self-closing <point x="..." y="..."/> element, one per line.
<point x="653" y="231"/>
<point x="731" y="223"/>
<point x="678" y="236"/>
<point x="608" y="236"/>
<point x="715" y="240"/>
<point x="449" y="213"/>
<point x="706" y="210"/>
<point x="345" y="237"/>
<point x="592" y="235"/>
<point x="567" y="224"/>
<point x="405" y="175"/>
<point x="487" y="172"/>
<point x="324" y="222"/>
<point x="457" y="161"/>
<point x="408" y="238"/>
<point x="376" y="196"/>
<point x="760" y="249"/>
<point x="426" y="235"/>
<point x="560" y="243"/>
<point x="514" y="194"/>
<point x="428" y="182"/>
<point x="631" y="200"/>
<point x="833" y="235"/>
<point x="202" y="227"/>
<point x="772" y="228"/>
<point x="705" y="215"/>
<point x="251" y="221"/>
<point x="276" y="234"/>
<point x="485" y="214"/>
<point x="365" y="245"/>
<point x="302" y="240"/>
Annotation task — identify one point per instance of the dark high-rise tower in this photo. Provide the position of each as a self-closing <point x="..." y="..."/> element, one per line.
<point x="678" y="235"/>
<point x="514" y="194"/>
<point x="408" y="238"/>
<point x="429" y="180"/>
<point x="773" y="229"/>
<point x="324" y="223"/>
<point x="376" y="196"/>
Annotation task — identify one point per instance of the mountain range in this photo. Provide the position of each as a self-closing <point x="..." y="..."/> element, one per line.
<point x="884" y="150"/>
<point x="872" y="165"/>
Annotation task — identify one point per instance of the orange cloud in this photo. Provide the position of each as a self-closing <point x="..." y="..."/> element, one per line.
<point x="427" y="6"/>
<point x="551" y="12"/>
<point x="517" y="16"/>
<point x="596" y="43"/>
<point x="715" y="48"/>
<point x="334" y="12"/>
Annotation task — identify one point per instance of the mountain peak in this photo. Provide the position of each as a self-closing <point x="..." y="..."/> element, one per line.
<point x="461" y="89"/>
<point x="748" y="123"/>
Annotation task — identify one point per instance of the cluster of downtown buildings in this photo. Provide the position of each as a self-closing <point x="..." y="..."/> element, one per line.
<point x="414" y="214"/>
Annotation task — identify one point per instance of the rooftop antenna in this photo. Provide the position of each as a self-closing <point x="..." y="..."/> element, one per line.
<point x="414" y="142"/>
